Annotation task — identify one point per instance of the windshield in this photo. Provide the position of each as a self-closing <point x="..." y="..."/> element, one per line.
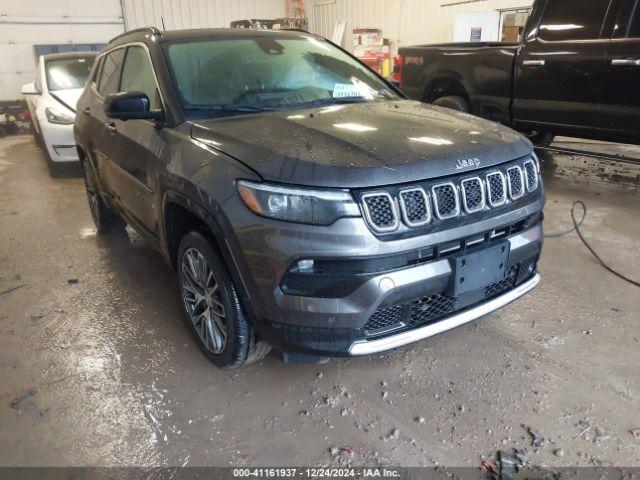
<point x="269" y="72"/>
<point x="65" y="73"/>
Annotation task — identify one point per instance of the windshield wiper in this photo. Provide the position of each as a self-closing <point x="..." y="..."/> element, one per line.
<point x="229" y="108"/>
<point x="331" y="101"/>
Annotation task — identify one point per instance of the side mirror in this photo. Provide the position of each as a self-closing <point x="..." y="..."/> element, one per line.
<point x="130" y="106"/>
<point x="30" y="89"/>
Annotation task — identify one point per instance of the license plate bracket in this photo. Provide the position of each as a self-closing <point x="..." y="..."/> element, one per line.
<point x="481" y="268"/>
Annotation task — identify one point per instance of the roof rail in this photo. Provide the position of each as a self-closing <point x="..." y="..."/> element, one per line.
<point x="152" y="30"/>
<point x="292" y="29"/>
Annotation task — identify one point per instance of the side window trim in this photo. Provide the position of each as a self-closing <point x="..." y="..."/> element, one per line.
<point x="124" y="63"/>
<point x="98" y="72"/>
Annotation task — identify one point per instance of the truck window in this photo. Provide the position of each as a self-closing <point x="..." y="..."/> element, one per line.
<point x="625" y="18"/>
<point x="573" y="20"/>
<point x="634" y="26"/>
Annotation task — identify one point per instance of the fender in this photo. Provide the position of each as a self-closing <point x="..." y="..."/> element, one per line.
<point x="226" y="242"/>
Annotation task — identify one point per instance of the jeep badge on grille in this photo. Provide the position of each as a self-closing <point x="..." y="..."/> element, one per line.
<point x="467" y="163"/>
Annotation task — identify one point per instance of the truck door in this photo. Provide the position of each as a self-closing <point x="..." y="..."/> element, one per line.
<point x="560" y="71"/>
<point x="621" y="100"/>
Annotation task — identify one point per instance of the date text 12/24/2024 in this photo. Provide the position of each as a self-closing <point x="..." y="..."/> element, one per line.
<point x="315" y="472"/>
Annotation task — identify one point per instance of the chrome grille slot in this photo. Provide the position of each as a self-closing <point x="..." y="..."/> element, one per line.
<point x="414" y="204"/>
<point x="515" y="179"/>
<point x="473" y="194"/>
<point x="496" y="189"/>
<point x="531" y="175"/>
<point x="445" y="201"/>
<point x="380" y="211"/>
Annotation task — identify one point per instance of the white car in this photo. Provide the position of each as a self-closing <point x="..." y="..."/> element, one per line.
<point x="52" y="99"/>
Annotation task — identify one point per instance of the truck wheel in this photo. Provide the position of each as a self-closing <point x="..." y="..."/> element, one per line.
<point x="541" y="139"/>
<point x="104" y="218"/>
<point x="454" y="102"/>
<point x="214" y="312"/>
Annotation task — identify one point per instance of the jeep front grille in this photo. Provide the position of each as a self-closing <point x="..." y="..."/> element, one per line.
<point x="433" y="202"/>
<point x="496" y="189"/>
<point x="445" y="200"/>
<point x="380" y="211"/>
<point x="531" y="175"/>
<point x="414" y="203"/>
<point x="473" y="194"/>
<point x="516" y="182"/>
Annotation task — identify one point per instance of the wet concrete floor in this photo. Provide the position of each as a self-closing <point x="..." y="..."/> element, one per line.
<point x="98" y="368"/>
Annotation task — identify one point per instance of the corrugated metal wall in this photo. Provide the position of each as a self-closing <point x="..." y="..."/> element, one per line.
<point x="405" y="22"/>
<point x="197" y="13"/>
<point x="25" y="23"/>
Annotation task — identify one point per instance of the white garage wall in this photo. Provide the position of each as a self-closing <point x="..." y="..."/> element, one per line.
<point x="404" y="22"/>
<point x="197" y="13"/>
<point x="24" y="23"/>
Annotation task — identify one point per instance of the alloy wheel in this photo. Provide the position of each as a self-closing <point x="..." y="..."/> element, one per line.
<point x="92" y="193"/>
<point x="203" y="300"/>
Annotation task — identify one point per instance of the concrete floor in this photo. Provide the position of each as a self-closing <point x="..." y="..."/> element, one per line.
<point x="98" y="368"/>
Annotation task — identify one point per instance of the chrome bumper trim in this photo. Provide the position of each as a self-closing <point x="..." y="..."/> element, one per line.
<point x="366" y="347"/>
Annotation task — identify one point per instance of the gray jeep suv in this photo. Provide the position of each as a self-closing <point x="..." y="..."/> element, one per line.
<point x="305" y="203"/>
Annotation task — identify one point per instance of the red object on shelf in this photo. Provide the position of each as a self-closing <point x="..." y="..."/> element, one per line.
<point x="397" y="68"/>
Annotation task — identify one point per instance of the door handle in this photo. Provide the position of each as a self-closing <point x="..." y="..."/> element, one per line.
<point x="534" y="63"/>
<point x="86" y="110"/>
<point x="625" y="62"/>
<point x="111" y="127"/>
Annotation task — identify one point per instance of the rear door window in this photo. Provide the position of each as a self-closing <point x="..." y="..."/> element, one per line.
<point x="573" y="20"/>
<point x="110" y="77"/>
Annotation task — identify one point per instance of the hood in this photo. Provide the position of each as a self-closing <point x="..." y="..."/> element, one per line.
<point x="361" y="145"/>
<point x="69" y="98"/>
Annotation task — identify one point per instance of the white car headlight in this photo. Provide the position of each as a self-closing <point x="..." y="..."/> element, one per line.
<point x="54" y="116"/>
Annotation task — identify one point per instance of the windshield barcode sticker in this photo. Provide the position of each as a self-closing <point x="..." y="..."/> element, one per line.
<point x="346" y="90"/>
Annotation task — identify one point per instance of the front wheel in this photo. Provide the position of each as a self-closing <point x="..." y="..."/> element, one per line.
<point x="104" y="218"/>
<point x="213" y="307"/>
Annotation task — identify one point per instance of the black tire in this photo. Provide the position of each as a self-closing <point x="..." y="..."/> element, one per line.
<point x="541" y="139"/>
<point x="36" y="135"/>
<point x="104" y="218"/>
<point x="241" y="345"/>
<point x="55" y="169"/>
<point x="454" y="102"/>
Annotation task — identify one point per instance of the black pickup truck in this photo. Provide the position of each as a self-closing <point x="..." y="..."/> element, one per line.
<point x="575" y="73"/>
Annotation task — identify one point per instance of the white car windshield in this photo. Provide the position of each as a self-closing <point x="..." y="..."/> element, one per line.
<point x="269" y="72"/>
<point x="65" y="73"/>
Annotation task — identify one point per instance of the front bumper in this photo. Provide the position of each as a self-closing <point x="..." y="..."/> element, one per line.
<point x="338" y="326"/>
<point x="59" y="141"/>
<point x="366" y="347"/>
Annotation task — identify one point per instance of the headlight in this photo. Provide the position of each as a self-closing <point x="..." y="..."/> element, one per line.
<point x="54" y="116"/>
<point x="299" y="205"/>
